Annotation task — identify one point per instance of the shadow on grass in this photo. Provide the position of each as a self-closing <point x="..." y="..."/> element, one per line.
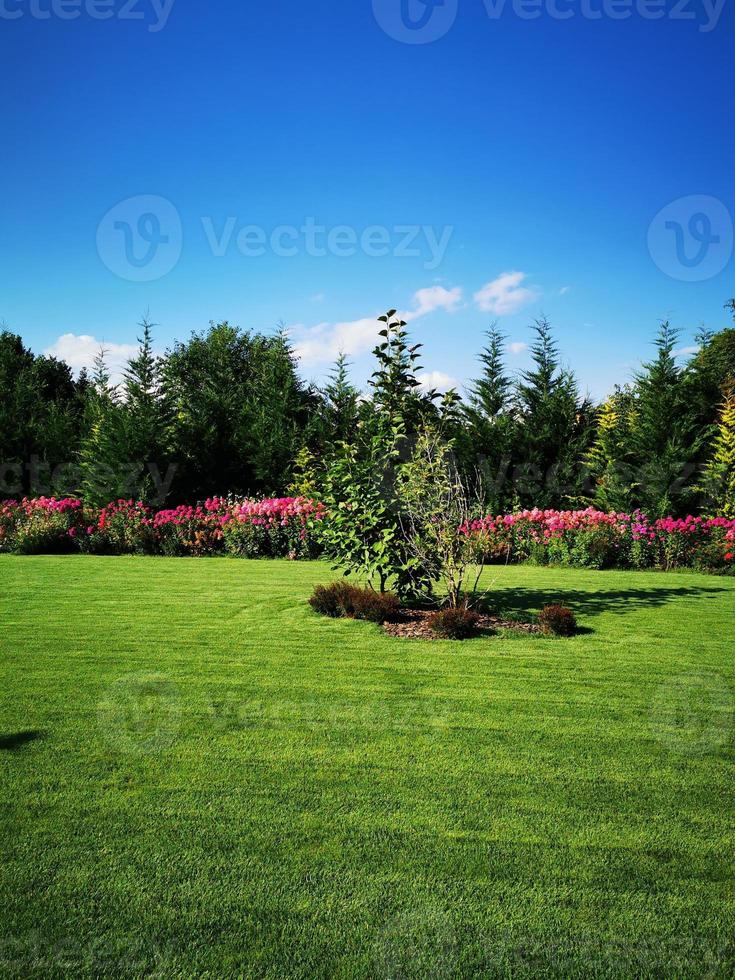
<point x="18" y="739"/>
<point x="523" y="603"/>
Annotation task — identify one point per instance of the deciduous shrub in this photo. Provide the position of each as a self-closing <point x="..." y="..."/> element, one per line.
<point x="340" y="599"/>
<point x="376" y="607"/>
<point x="557" y="620"/>
<point x="335" y="600"/>
<point x="455" y="624"/>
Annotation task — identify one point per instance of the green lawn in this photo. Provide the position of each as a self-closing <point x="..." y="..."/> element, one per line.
<point x="201" y="778"/>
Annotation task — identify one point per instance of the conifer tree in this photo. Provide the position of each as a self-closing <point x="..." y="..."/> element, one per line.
<point x="719" y="474"/>
<point x="667" y="436"/>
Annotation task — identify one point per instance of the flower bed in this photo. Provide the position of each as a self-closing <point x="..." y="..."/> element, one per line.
<point x="594" y="539"/>
<point x="275" y="528"/>
<point x="288" y="527"/>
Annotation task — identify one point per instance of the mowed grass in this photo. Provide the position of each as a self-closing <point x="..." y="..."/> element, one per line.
<point x="201" y="778"/>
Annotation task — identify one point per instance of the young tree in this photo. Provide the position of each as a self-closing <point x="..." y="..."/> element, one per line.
<point x="397" y="391"/>
<point x="361" y="478"/>
<point x="437" y="507"/>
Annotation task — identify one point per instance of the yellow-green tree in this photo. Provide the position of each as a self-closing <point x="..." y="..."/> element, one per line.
<point x="719" y="476"/>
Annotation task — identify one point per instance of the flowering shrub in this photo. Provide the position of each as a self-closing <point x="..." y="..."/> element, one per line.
<point x="594" y="539"/>
<point x="278" y="528"/>
<point x="41" y="526"/>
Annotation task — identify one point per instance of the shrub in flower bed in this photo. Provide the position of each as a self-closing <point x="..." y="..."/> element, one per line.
<point x="455" y="624"/>
<point x="593" y="539"/>
<point x="342" y="600"/>
<point x="41" y="526"/>
<point x="557" y="620"/>
<point x="283" y="527"/>
<point x="278" y="528"/>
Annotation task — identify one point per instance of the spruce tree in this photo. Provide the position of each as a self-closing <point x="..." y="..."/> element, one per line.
<point x="667" y="435"/>
<point x="485" y="442"/>
<point x="556" y="428"/>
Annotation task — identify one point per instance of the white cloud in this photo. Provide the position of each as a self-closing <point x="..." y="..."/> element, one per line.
<point x="437" y="379"/>
<point x="517" y="347"/>
<point x="317" y="298"/>
<point x="434" y="298"/>
<point x="505" y="294"/>
<point x="564" y="290"/>
<point x="323" y="342"/>
<point x="686" y="351"/>
<point x="80" y="350"/>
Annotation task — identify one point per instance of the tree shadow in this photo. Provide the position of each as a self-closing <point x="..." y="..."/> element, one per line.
<point x="18" y="739"/>
<point x="522" y="602"/>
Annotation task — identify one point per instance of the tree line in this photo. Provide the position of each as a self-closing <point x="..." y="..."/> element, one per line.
<point x="226" y="412"/>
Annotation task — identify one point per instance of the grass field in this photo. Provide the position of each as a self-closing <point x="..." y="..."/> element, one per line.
<point x="201" y="778"/>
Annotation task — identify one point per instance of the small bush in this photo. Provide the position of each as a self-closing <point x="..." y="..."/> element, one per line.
<point x="455" y="624"/>
<point x="557" y="620"/>
<point x="335" y="600"/>
<point x="376" y="607"/>
<point x="340" y="600"/>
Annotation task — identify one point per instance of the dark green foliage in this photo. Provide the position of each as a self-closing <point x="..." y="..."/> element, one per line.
<point x="667" y="437"/>
<point x="557" y="620"/>
<point x="486" y="441"/>
<point x="340" y="403"/>
<point x="238" y="412"/>
<point x="556" y="428"/>
<point x="342" y="600"/>
<point x="226" y="412"/>
<point x="455" y="624"/>
<point x="40" y="421"/>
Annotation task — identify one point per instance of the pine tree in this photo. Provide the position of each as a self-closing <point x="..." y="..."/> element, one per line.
<point x="105" y="472"/>
<point x="667" y="435"/>
<point x="341" y="403"/>
<point x="490" y="393"/>
<point x="485" y="442"/>
<point x="147" y="431"/>
<point x="556" y="428"/>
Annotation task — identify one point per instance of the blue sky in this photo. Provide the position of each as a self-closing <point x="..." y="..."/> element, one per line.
<point x="526" y="155"/>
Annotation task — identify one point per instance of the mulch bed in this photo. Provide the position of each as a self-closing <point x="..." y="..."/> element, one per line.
<point x="414" y="625"/>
